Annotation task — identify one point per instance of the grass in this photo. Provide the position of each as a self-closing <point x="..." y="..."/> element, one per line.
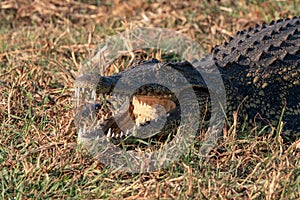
<point x="42" y="45"/>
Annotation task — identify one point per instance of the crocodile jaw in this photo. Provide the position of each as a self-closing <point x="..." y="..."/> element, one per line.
<point x="131" y="114"/>
<point x="136" y="113"/>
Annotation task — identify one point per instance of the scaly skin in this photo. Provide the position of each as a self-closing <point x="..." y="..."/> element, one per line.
<point x="260" y="69"/>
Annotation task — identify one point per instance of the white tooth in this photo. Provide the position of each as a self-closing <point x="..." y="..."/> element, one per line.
<point x="117" y="135"/>
<point x="84" y="128"/>
<point x="76" y="92"/>
<point x="108" y="133"/>
<point x="94" y="95"/>
<point x="127" y="132"/>
<point x="144" y="120"/>
<point x="121" y="135"/>
<point x="78" y="99"/>
<point x="133" y="131"/>
<point x="113" y="135"/>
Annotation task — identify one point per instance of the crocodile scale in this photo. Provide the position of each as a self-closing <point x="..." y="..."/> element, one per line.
<point x="262" y="65"/>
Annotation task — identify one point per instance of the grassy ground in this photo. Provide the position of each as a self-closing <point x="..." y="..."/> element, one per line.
<point x="43" y="43"/>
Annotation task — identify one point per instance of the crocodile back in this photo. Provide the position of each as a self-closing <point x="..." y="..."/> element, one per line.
<point x="260" y="68"/>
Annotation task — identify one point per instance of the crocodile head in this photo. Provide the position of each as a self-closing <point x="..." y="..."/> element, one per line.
<point x="140" y="102"/>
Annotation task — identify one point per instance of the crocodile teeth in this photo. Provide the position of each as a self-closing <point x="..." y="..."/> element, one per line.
<point x="94" y="95"/>
<point x="76" y="92"/>
<point x="122" y="133"/>
<point x="113" y="135"/>
<point x="134" y="131"/>
<point x="108" y="133"/>
<point x="84" y="128"/>
<point x="98" y="123"/>
<point x="127" y="132"/>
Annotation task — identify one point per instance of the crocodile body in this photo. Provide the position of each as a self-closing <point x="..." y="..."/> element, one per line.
<point x="260" y="70"/>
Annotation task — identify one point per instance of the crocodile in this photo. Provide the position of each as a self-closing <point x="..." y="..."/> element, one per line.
<point x="259" y="68"/>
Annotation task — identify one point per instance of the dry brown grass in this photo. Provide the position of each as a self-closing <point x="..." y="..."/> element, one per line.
<point x="42" y="45"/>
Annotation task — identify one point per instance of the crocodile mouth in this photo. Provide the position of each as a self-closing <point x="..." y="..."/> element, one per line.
<point x="146" y="108"/>
<point x="133" y="114"/>
<point x="120" y="113"/>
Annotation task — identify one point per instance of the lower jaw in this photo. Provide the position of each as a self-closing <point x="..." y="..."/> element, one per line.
<point x="142" y="110"/>
<point x="125" y="129"/>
